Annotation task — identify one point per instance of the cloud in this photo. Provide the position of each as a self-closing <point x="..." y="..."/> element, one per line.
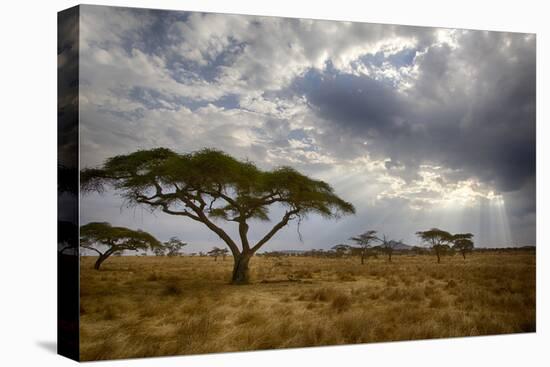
<point x="469" y="113"/>
<point x="403" y="121"/>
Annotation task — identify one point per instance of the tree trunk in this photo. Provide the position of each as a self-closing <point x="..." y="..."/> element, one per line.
<point x="362" y="259"/>
<point x="240" y="269"/>
<point x="438" y="257"/>
<point x="464" y="255"/>
<point x="100" y="260"/>
<point x="389" y="256"/>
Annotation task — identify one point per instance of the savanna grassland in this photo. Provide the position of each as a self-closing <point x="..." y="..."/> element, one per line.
<point x="155" y="306"/>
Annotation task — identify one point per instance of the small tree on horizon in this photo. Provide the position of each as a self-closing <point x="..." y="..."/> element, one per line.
<point x="463" y="243"/>
<point x="216" y="251"/>
<point x="116" y="239"/>
<point x="173" y="246"/>
<point x="209" y="185"/>
<point x="365" y="241"/>
<point x="388" y="246"/>
<point x="159" y="251"/>
<point x="437" y="239"/>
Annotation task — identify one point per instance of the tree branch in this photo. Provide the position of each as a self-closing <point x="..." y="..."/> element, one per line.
<point x="243" y="233"/>
<point x="92" y="248"/>
<point x="188" y="200"/>
<point x="201" y="217"/>
<point x="275" y="229"/>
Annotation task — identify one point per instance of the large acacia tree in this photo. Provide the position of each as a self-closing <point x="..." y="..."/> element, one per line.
<point x="209" y="185"/>
<point x="114" y="239"/>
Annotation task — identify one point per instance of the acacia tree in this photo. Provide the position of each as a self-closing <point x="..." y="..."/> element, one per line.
<point x="365" y="241"/>
<point x="463" y="243"/>
<point x="159" y="251"/>
<point x="116" y="239"/>
<point x="173" y="246"/>
<point x="209" y="185"/>
<point x="437" y="239"/>
<point x="216" y="251"/>
<point x="388" y="246"/>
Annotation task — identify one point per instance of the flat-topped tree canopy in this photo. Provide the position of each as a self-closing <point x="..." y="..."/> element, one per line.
<point x="115" y="239"/>
<point x="435" y="236"/>
<point x="365" y="241"/>
<point x="437" y="239"/>
<point x="209" y="184"/>
<point x="161" y="176"/>
<point x="120" y="237"/>
<point x="463" y="243"/>
<point x="462" y="236"/>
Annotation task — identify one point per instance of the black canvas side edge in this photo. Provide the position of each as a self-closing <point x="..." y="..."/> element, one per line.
<point x="68" y="183"/>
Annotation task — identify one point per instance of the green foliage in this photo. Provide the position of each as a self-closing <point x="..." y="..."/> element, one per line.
<point x="216" y="251"/>
<point x="115" y="238"/>
<point x="440" y="241"/>
<point x="159" y="251"/>
<point x="463" y="243"/>
<point x="173" y="246"/>
<point x="160" y="177"/>
<point x="365" y="240"/>
<point x="435" y="237"/>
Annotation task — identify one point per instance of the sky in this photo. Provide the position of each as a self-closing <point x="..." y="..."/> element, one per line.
<point x="417" y="127"/>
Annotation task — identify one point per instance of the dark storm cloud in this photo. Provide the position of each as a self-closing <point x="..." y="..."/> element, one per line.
<point x="360" y="104"/>
<point x="472" y="109"/>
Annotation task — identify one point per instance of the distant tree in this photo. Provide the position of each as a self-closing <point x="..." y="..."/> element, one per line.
<point x="216" y="251"/>
<point x="388" y="246"/>
<point x="207" y="185"/>
<point x="437" y="239"/>
<point x="116" y="239"/>
<point x="364" y="242"/>
<point x="159" y="251"/>
<point x="173" y="246"/>
<point x="341" y="249"/>
<point x="463" y="243"/>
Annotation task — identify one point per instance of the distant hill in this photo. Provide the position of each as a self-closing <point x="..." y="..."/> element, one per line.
<point x="398" y="245"/>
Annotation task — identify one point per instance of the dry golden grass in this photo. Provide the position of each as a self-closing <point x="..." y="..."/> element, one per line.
<point x="157" y="306"/>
